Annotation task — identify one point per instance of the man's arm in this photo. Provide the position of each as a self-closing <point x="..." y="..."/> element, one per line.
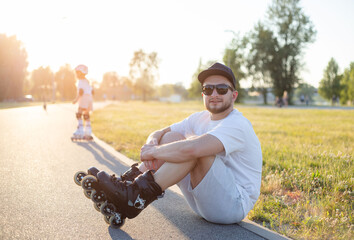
<point x="155" y="137"/>
<point x="183" y="151"/>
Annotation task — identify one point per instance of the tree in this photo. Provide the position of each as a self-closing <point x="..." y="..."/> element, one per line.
<point x="305" y="91"/>
<point x="110" y="80"/>
<point x="347" y="83"/>
<point x="234" y="58"/>
<point x="65" y="82"/>
<point x="330" y="86"/>
<point x="260" y="59"/>
<point x="287" y="31"/>
<point x="115" y="87"/>
<point x="144" y="72"/>
<point x="13" y="67"/>
<point x="42" y="81"/>
<point x="195" y="90"/>
<point x="166" y="90"/>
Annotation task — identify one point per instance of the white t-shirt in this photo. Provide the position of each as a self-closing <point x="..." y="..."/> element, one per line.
<point x="243" y="154"/>
<point x="85" y="86"/>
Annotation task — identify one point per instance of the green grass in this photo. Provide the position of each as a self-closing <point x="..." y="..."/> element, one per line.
<point x="307" y="180"/>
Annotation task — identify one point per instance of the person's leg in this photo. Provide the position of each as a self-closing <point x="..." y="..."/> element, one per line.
<point x="133" y="197"/>
<point x="217" y="198"/>
<point x="169" y="174"/>
<point x="79" y="130"/>
<point x="88" y="130"/>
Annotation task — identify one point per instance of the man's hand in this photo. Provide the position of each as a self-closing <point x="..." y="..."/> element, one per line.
<point x="146" y="155"/>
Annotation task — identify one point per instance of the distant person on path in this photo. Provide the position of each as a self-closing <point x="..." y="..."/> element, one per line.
<point x="84" y="97"/>
<point x="279" y="102"/>
<point x="214" y="156"/>
<point x="44" y="106"/>
<point x="307" y="100"/>
<point x="302" y="98"/>
<point x="285" y="98"/>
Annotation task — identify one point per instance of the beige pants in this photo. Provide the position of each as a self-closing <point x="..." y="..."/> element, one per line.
<point x="85" y="102"/>
<point x="216" y="198"/>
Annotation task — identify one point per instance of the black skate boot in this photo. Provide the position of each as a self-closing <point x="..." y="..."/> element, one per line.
<point x="130" y="198"/>
<point x="98" y="195"/>
<point x="129" y="175"/>
<point x="93" y="171"/>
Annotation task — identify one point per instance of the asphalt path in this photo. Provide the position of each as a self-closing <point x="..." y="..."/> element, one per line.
<point x="39" y="199"/>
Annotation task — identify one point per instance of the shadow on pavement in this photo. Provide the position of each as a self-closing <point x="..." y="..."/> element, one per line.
<point x="103" y="157"/>
<point x="119" y="234"/>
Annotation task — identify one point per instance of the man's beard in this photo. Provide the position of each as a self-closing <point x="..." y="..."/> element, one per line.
<point x="216" y="110"/>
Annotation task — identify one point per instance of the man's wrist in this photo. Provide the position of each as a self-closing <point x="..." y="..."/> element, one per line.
<point x="154" y="150"/>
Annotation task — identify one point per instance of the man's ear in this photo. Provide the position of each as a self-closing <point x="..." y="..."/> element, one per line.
<point x="234" y="95"/>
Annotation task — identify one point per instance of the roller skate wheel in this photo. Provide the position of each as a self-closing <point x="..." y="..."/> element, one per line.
<point x="87" y="182"/>
<point x="116" y="221"/>
<point x="88" y="138"/>
<point x="97" y="206"/>
<point x="98" y="196"/>
<point x="87" y="194"/>
<point x="79" y="176"/>
<point x="107" y="209"/>
<point x="106" y="219"/>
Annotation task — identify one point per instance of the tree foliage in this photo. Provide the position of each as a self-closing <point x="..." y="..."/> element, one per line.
<point x="347" y="83"/>
<point x="65" y="82"/>
<point x="234" y="58"/>
<point x="260" y="59"/>
<point x="144" y="72"/>
<point x="194" y="92"/>
<point x="278" y="45"/>
<point x="42" y="83"/>
<point x="167" y="90"/>
<point x="330" y="86"/>
<point x="306" y="91"/>
<point x="13" y="67"/>
<point x="115" y="87"/>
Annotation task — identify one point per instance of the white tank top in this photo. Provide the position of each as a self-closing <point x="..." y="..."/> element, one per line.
<point x="85" y="86"/>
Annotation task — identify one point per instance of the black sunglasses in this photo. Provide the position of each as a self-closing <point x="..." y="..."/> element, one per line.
<point x="220" y="89"/>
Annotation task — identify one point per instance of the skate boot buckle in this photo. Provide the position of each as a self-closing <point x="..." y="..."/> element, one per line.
<point x="139" y="202"/>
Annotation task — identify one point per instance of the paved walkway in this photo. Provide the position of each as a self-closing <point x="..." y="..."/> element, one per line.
<point x="40" y="200"/>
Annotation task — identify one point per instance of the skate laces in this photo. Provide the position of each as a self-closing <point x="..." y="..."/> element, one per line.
<point x="115" y="179"/>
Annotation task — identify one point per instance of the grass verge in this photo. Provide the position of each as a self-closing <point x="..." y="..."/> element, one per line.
<point x="4" y="105"/>
<point x="307" y="180"/>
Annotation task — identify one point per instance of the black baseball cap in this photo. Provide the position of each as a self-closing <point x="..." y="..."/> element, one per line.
<point x="218" y="69"/>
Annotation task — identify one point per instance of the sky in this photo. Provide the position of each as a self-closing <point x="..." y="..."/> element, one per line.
<point x="105" y="34"/>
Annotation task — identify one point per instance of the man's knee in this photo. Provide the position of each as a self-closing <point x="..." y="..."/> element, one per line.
<point x="171" y="137"/>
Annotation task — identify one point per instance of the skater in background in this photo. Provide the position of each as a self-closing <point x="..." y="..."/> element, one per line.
<point x="84" y="98"/>
<point x="285" y="99"/>
<point x="214" y="156"/>
<point x="44" y="106"/>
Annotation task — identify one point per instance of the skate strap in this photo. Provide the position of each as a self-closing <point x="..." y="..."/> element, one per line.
<point x="146" y="183"/>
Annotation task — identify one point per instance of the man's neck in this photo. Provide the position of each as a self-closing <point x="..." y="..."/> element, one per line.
<point x="222" y="115"/>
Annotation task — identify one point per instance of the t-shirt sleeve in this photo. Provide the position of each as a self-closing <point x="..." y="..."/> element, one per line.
<point x="231" y="134"/>
<point x="181" y="127"/>
<point x="185" y="127"/>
